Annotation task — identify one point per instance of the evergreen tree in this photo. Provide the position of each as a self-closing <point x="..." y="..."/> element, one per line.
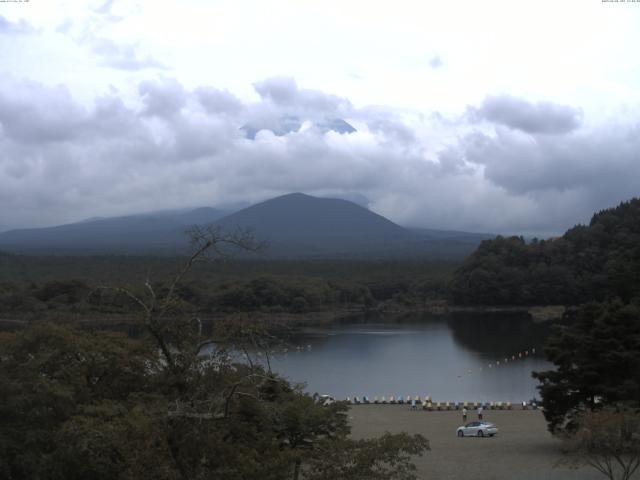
<point x="597" y="362"/>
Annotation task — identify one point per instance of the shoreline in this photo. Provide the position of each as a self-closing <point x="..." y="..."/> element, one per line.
<point x="537" y="313"/>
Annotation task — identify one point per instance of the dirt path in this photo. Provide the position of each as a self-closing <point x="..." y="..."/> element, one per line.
<point x="523" y="449"/>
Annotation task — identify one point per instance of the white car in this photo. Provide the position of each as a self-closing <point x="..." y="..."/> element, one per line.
<point x="325" y="400"/>
<point x="477" y="429"/>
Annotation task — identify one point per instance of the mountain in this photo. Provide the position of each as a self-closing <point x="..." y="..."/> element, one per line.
<point x="297" y="216"/>
<point x="291" y="123"/>
<point x="155" y="232"/>
<point x="299" y="225"/>
<point x="294" y="226"/>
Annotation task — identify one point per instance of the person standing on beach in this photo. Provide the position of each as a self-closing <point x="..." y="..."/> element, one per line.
<point x="480" y="412"/>
<point x="464" y="414"/>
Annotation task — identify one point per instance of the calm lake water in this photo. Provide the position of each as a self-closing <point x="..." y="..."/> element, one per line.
<point x="454" y="358"/>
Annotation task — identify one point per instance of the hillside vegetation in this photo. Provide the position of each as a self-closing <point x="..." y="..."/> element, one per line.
<point x="588" y="263"/>
<point x="37" y="285"/>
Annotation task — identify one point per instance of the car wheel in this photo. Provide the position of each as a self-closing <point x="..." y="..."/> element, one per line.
<point x="460" y="433"/>
<point x="480" y="433"/>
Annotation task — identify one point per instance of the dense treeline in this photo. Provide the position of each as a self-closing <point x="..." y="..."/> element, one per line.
<point x="175" y="404"/>
<point x="79" y="405"/>
<point x="35" y="285"/>
<point x="594" y="262"/>
<point x="597" y="363"/>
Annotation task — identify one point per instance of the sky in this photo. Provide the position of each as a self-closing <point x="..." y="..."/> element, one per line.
<point x="508" y="117"/>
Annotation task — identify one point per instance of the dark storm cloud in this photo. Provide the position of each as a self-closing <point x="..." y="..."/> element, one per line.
<point x="519" y="114"/>
<point x="174" y="147"/>
<point x="32" y="113"/>
<point x="20" y="27"/>
<point x="452" y="161"/>
<point x="60" y="161"/>
<point x="604" y="163"/>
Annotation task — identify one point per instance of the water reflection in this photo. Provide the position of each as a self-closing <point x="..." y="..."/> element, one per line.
<point x="450" y="358"/>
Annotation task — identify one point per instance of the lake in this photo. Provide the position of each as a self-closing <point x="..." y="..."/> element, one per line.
<point x="450" y="358"/>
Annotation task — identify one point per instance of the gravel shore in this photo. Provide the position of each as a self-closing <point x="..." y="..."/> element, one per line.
<point x="523" y="448"/>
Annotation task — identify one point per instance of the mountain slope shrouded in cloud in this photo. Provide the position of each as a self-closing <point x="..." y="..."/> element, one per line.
<point x="527" y="133"/>
<point x="294" y="226"/>
<point x="168" y="145"/>
<point x="144" y="233"/>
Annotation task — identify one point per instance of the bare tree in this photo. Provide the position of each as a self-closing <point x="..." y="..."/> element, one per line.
<point x="607" y="440"/>
<point x="180" y="339"/>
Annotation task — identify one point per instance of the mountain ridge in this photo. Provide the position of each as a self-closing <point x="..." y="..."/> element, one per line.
<point x="295" y="225"/>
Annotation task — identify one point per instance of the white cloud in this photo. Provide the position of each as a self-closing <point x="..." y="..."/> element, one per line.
<point x="184" y="147"/>
<point x="517" y="113"/>
<point x="504" y="129"/>
<point x="20" y="27"/>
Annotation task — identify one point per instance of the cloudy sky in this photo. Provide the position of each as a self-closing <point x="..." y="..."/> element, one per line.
<point x="494" y="116"/>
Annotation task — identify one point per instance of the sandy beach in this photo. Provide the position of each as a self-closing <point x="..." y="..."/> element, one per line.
<point x="523" y="448"/>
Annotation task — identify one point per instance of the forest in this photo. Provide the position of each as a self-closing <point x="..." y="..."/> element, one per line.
<point x="588" y="263"/>
<point x="81" y="403"/>
<point x="32" y="286"/>
<point x="78" y="404"/>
